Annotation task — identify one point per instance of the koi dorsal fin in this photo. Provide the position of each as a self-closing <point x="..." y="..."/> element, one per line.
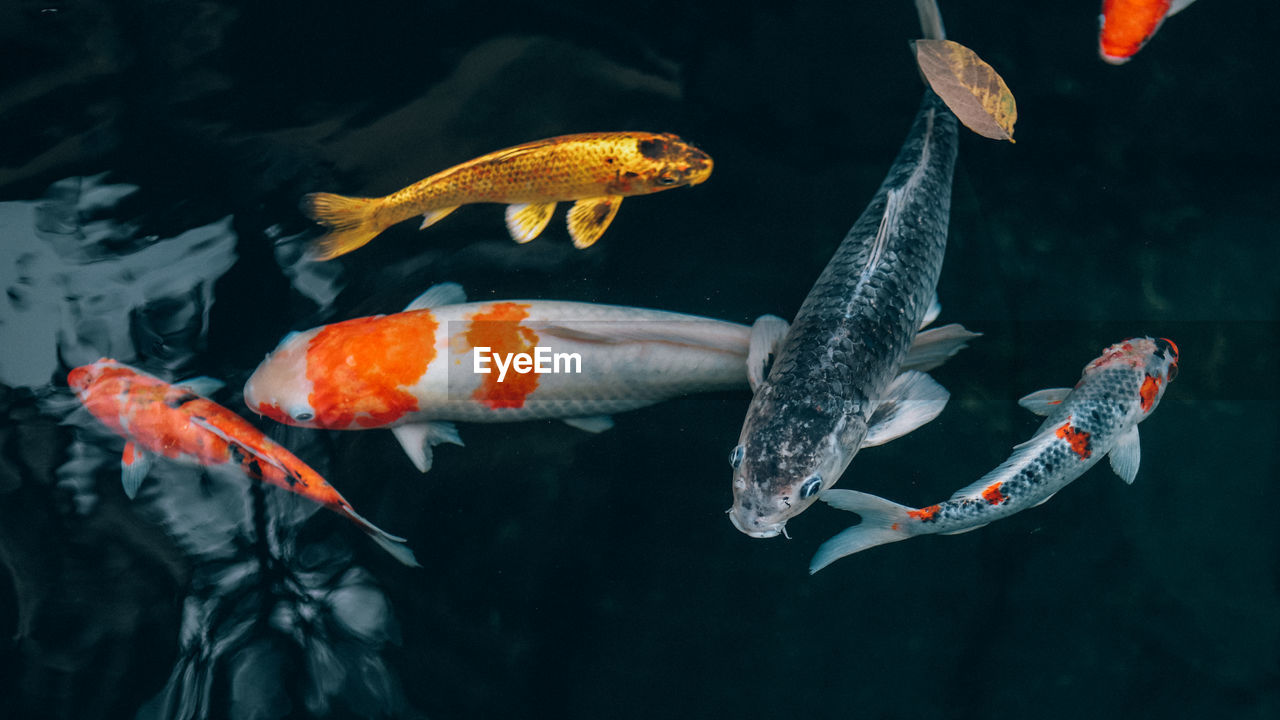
<point x="447" y="293"/>
<point x="1043" y="402"/>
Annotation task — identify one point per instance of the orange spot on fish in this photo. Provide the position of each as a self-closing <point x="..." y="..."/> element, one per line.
<point x="499" y="330"/>
<point x="1128" y="24"/>
<point x="360" y="369"/>
<point x="993" y="495"/>
<point x="1077" y="439"/>
<point x="924" y="514"/>
<point x="1150" y="388"/>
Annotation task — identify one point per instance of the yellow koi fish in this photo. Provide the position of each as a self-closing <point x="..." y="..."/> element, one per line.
<point x="595" y="170"/>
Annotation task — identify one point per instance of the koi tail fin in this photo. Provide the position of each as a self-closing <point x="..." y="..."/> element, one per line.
<point x="391" y="543"/>
<point x="350" y="221"/>
<point x="882" y="522"/>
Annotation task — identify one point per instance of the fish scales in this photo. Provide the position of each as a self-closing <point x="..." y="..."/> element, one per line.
<point x="1096" y="418"/>
<point x="853" y="330"/>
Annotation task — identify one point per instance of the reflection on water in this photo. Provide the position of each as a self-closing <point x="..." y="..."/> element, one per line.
<point x="277" y="618"/>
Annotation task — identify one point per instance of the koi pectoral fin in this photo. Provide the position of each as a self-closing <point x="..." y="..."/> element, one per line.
<point x="526" y="222"/>
<point x="767" y="333"/>
<point x="1127" y="455"/>
<point x="590" y="217"/>
<point x="417" y="440"/>
<point x="134" y="466"/>
<point x="932" y="348"/>
<point x="912" y="399"/>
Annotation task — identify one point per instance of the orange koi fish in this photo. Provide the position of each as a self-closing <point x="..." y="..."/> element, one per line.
<point x="176" y="422"/>
<point x="595" y="170"/>
<point x="1127" y="25"/>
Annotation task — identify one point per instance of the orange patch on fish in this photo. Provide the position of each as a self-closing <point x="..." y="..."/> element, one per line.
<point x="924" y="514"/>
<point x="1148" y="392"/>
<point x="1128" y="24"/>
<point x="360" y="368"/>
<point x="1077" y="439"/>
<point x="499" y="330"/>
<point x="993" y="495"/>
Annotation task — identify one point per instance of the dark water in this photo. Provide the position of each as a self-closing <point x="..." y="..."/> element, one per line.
<point x="151" y="158"/>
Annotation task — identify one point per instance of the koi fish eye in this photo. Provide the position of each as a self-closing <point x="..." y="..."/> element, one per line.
<point x="1171" y="373"/>
<point x="303" y="416"/>
<point x="666" y="177"/>
<point x="736" y="455"/>
<point x="811" y="486"/>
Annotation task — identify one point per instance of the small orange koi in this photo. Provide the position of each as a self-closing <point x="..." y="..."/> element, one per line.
<point x="176" y="422"/>
<point x="1127" y="25"/>
<point x="595" y="170"/>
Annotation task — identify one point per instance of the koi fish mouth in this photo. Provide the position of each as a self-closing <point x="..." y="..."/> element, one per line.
<point x="756" y="530"/>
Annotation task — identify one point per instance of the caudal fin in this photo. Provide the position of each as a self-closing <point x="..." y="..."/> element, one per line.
<point x="391" y="543"/>
<point x="350" y="220"/>
<point x="882" y="522"/>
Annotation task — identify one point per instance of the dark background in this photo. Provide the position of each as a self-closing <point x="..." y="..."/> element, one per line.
<point x="572" y="575"/>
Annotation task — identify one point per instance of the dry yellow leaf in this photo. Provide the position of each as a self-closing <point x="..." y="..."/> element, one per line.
<point x="973" y="90"/>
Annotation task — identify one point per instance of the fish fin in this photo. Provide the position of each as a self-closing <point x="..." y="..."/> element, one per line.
<point x="134" y="466"/>
<point x="935" y="309"/>
<point x="393" y="544"/>
<point x="1177" y="6"/>
<point x="1043" y="402"/>
<point x="930" y="19"/>
<point x="447" y="293"/>
<point x="767" y="334"/>
<point x="431" y="217"/>
<point x="893" y="203"/>
<point x="591" y="424"/>
<point x="349" y="219"/>
<point x="974" y="490"/>
<point x="883" y="522"/>
<point x="590" y="217"/>
<point x="417" y="440"/>
<point x="202" y="386"/>
<point x="911" y="400"/>
<point x="1127" y="455"/>
<point x="932" y="348"/>
<point x="231" y="441"/>
<point x="526" y="222"/>
<point x="710" y="334"/>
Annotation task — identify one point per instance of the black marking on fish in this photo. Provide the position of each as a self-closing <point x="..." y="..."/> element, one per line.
<point x="180" y="400"/>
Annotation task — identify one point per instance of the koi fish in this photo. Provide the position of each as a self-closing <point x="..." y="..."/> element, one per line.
<point x="176" y="422"/>
<point x="837" y="384"/>
<point x="1127" y="25"/>
<point x="1098" y="417"/>
<point x="595" y="170"/>
<point x="415" y="372"/>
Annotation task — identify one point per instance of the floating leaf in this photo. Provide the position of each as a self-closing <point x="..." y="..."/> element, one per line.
<point x="969" y="86"/>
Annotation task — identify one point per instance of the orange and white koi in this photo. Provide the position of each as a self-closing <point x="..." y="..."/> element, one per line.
<point x="415" y="372"/>
<point x="1127" y="25"/>
<point x="1098" y="417"/>
<point x="595" y="170"/>
<point x="177" y="423"/>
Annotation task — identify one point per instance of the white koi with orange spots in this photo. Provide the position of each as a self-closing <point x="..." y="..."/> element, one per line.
<point x="413" y="372"/>
<point x="1098" y="417"/>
